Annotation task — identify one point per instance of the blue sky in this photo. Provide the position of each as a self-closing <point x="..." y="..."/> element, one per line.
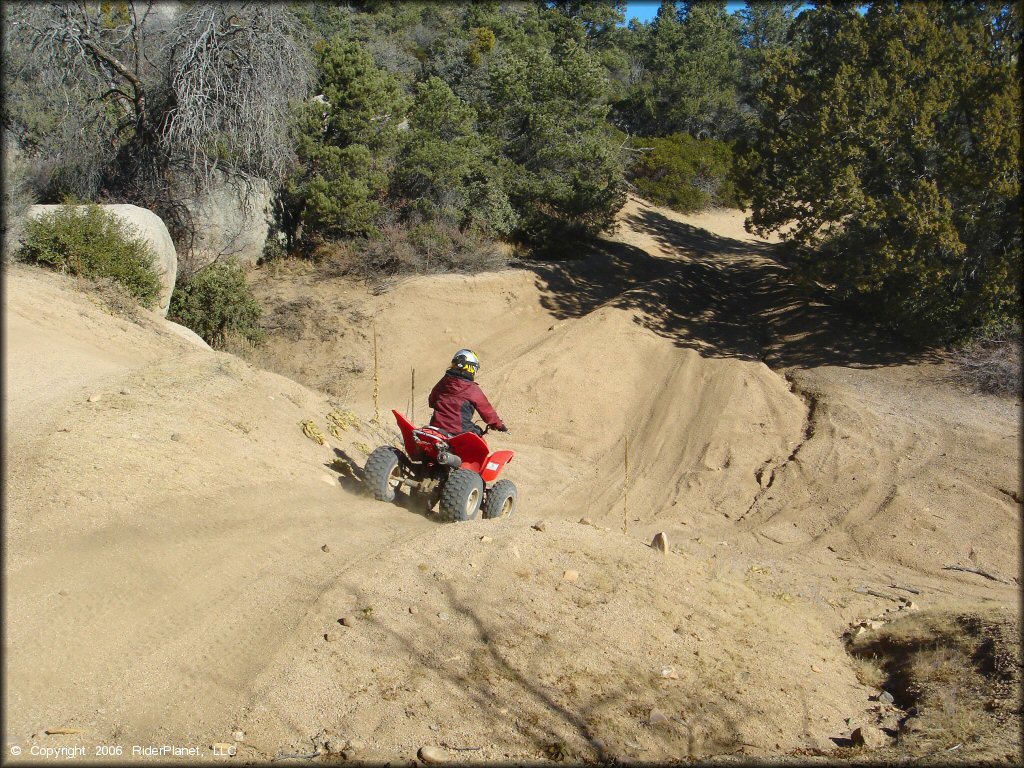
<point x="646" y="10"/>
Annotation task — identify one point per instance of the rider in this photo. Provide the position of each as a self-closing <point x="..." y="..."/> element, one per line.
<point x="457" y="395"/>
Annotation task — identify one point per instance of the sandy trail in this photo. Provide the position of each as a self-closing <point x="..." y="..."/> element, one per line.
<point x="165" y="571"/>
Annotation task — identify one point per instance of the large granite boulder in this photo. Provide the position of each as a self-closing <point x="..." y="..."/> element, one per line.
<point x="151" y="228"/>
<point x="231" y="218"/>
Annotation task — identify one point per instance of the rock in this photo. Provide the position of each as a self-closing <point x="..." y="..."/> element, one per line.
<point x="125" y="391"/>
<point x="231" y="220"/>
<point x="347" y="621"/>
<point x="186" y="333"/>
<point x="815" y="668"/>
<point x="540" y="525"/>
<point x="886" y="698"/>
<point x="413" y="609"/>
<point x="443" y="616"/>
<point x="872" y="624"/>
<point x="657" y="717"/>
<point x="432" y="755"/>
<point x="349" y="754"/>
<point x="586" y="521"/>
<point x="150" y="228"/>
<point x="486" y="539"/>
<point x="669" y="673"/>
<point x="868" y="736"/>
<point x="660" y="542"/>
<point x="356" y="745"/>
<point x="325" y="548"/>
<point x="331" y="637"/>
<point x="238" y="735"/>
<point x="63" y="593"/>
<point x="910" y="605"/>
<point x="176" y="437"/>
<point x="95" y="398"/>
<point x="334" y="745"/>
<point x="434" y="727"/>
<point x="571" y="575"/>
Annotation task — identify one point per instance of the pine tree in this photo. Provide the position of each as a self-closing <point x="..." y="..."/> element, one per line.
<point x="890" y="149"/>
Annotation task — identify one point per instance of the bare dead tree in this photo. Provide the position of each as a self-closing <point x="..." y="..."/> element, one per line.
<point x="235" y="69"/>
<point x="177" y="101"/>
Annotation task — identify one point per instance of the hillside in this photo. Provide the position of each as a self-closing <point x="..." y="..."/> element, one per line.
<point x="179" y="553"/>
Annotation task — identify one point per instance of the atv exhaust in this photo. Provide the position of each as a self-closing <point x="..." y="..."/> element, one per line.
<point x="449" y="459"/>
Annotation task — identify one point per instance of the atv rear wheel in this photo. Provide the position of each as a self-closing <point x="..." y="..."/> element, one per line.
<point x="383" y="472"/>
<point x="462" y="495"/>
<point x="502" y="500"/>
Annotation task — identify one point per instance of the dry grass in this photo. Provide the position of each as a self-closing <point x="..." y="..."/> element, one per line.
<point x="956" y="674"/>
<point x="991" y="363"/>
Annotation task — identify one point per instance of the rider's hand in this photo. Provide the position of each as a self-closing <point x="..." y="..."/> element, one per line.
<point x="500" y="427"/>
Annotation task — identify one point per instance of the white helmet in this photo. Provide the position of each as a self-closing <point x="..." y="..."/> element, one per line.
<point x="465" y="360"/>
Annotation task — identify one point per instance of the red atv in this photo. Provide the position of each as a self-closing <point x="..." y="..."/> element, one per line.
<point x="450" y="470"/>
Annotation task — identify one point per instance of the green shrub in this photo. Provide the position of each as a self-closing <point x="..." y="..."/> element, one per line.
<point x="86" y="241"/>
<point x="216" y="301"/>
<point x="684" y="173"/>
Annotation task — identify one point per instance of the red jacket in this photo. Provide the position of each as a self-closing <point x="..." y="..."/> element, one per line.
<point x="454" y="399"/>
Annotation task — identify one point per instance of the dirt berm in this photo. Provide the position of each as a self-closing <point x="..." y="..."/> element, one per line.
<point x="179" y="554"/>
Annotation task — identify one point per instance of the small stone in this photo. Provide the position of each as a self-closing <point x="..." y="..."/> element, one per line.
<point x="325" y="548"/>
<point x="586" y="521"/>
<point x="176" y="437"/>
<point x="912" y="606"/>
<point x="486" y="539"/>
<point x="868" y="736"/>
<point x="63" y="593"/>
<point x="238" y="735"/>
<point x="347" y="621"/>
<point x="125" y="391"/>
<point x="886" y="698"/>
<point x="432" y="755"/>
<point x="413" y="609"/>
<point x="815" y="668"/>
<point x="434" y="727"/>
<point x="872" y="624"/>
<point x="669" y="673"/>
<point x="95" y="398"/>
<point x="334" y="745"/>
<point x="331" y="637"/>
<point x="657" y="717"/>
<point x="540" y="525"/>
<point x="349" y="754"/>
<point x="356" y="745"/>
<point x="660" y="542"/>
<point x="571" y="575"/>
<point x="443" y="616"/>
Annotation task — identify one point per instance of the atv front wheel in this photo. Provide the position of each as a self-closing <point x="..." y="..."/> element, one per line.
<point x="382" y="473"/>
<point x="502" y="500"/>
<point x="462" y="495"/>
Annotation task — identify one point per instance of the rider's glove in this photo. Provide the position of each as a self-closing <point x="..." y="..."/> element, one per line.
<point x="500" y="426"/>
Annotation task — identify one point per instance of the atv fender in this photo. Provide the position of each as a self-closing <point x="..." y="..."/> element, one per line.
<point x="410" y="444"/>
<point x="471" y="449"/>
<point x="495" y="463"/>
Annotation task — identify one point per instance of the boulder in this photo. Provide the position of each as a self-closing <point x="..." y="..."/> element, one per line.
<point x="186" y="333"/>
<point x="150" y="228"/>
<point x="231" y="219"/>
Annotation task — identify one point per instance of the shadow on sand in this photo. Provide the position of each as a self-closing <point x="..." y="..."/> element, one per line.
<point x="721" y="296"/>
